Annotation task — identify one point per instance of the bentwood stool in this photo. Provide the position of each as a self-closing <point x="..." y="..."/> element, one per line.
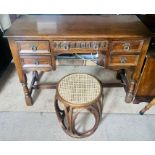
<point x="74" y="93"/>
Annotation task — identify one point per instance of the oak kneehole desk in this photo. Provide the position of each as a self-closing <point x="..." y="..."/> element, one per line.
<point x="121" y="42"/>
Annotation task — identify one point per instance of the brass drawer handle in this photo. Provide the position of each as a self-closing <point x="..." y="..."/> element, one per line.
<point x="66" y="46"/>
<point x="36" y="62"/>
<point x="126" y="46"/>
<point x="123" y="59"/>
<point x="34" y="48"/>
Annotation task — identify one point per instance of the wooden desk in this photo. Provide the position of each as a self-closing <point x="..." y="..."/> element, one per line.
<point x="121" y="42"/>
<point x="146" y="85"/>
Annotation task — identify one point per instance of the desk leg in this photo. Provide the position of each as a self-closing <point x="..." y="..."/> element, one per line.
<point x="118" y="75"/>
<point x="128" y="88"/>
<point x="27" y="94"/>
<point x="129" y="96"/>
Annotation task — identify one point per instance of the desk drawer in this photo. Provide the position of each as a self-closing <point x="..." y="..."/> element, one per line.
<point x="124" y="60"/>
<point x="35" y="47"/>
<point x="126" y="46"/>
<point x="36" y="61"/>
<point x="80" y="46"/>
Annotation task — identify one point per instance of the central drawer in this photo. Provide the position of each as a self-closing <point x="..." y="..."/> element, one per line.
<point x="36" y="61"/>
<point x="33" y="47"/>
<point x="80" y="46"/>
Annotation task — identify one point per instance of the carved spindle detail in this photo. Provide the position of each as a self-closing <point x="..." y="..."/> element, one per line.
<point x="28" y="97"/>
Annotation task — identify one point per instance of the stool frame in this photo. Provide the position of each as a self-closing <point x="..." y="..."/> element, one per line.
<point x="67" y="118"/>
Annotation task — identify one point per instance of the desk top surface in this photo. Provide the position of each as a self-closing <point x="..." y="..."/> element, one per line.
<point x="78" y="26"/>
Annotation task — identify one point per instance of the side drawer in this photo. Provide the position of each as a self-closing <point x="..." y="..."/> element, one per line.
<point x="126" y="46"/>
<point x="36" y="61"/>
<point x="35" y="47"/>
<point x="124" y="60"/>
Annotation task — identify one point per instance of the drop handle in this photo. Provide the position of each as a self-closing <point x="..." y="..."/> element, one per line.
<point x="66" y="47"/>
<point x="123" y="59"/>
<point x="34" y="48"/>
<point x="126" y="46"/>
<point x="36" y="62"/>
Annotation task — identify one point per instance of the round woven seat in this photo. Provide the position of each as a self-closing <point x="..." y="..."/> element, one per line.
<point x="75" y="92"/>
<point x="79" y="89"/>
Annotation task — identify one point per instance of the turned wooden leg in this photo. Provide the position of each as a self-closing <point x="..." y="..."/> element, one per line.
<point x="129" y="96"/>
<point x="36" y="75"/>
<point x="147" y="107"/>
<point x="28" y="97"/>
<point x="118" y="75"/>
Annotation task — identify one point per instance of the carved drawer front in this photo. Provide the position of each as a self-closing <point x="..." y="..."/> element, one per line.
<point x="124" y="60"/>
<point x="36" y="61"/>
<point x="33" y="47"/>
<point x="126" y="46"/>
<point x="76" y="46"/>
